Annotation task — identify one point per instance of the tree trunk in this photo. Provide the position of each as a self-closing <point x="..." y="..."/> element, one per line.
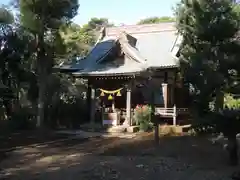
<point x="233" y="150"/>
<point x="41" y="93"/>
<point x="219" y="101"/>
<point x="8" y="107"/>
<point x="41" y="65"/>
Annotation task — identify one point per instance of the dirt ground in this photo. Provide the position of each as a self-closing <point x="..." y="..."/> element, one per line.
<point x="176" y="158"/>
<point x="24" y="138"/>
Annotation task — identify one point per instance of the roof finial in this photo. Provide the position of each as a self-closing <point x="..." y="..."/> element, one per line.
<point x="102" y="34"/>
<point x="123" y="36"/>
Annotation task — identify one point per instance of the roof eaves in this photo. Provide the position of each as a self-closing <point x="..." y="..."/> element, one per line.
<point x="129" y="50"/>
<point x="79" y="74"/>
<point x="146" y="28"/>
<point x="176" y="45"/>
<point x="164" y="67"/>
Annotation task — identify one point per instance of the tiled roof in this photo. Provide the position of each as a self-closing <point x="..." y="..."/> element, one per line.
<point x="156" y="47"/>
<point x="157" y="43"/>
<point x="141" y="29"/>
<point x="95" y="63"/>
<point x="127" y="66"/>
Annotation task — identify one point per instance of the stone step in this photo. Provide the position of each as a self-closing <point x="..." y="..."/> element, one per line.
<point x="117" y="129"/>
<point x="121" y="129"/>
<point x="170" y="129"/>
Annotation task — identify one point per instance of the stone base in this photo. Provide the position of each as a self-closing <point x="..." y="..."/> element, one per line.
<point x="116" y="129"/>
<point x="109" y="129"/>
<point x="171" y="130"/>
<point x="132" y="129"/>
<point x="122" y="129"/>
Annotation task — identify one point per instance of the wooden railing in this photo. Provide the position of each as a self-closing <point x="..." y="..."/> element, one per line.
<point x="166" y="112"/>
<point x="171" y="112"/>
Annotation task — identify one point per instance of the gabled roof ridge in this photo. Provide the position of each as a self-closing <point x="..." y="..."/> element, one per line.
<point x="130" y="50"/>
<point x="127" y="48"/>
<point x="128" y="38"/>
<point x="139" y="29"/>
<point x="141" y="25"/>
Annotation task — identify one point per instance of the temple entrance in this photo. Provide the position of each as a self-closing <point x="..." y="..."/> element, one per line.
<point x="115" y="99"/>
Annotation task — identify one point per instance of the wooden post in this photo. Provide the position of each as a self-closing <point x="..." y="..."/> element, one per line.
<point x="93" y="106"/>
<point x="128" y="107"/>
<point x="89" y="89"/>
<point x="153" y="119"/>
<point x="165" y="94"/>
<point x="103" y="111"/>
<point x="174" y="115"/>
<point x="113" y="104"/>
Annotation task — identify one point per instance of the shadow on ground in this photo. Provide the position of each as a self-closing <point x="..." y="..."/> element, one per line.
<point x="25" y="138"/>
<point x="12" y="141"/>
<point x="190" y="148"/>
<point x="114" y="158"/>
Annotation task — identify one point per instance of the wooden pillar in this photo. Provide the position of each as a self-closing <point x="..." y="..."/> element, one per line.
<point x="89" y="89"/>
<point x="113" y="104"/>
<point x="165" y="94"/>
<point x="93" y="106"/>
<point x="174" y="88"/>
<point x="128" y="108"/>
<point x="174" y="115"/>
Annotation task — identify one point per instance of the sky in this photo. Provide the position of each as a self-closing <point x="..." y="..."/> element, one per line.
<point x="121" y="11"/>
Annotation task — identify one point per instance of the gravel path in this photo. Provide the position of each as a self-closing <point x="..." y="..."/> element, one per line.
<point x="86" y="161"/>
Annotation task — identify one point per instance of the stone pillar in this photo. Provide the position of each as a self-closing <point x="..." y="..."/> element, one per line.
<point x="128" y="108"/>
<point x="93" y="106"/>
<point x="165" y="94"/>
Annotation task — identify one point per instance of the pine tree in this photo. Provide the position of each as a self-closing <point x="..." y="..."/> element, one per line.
<point x="209" y="50"/>
<point x="44" y="18"/>
<point x="209" y="59"/>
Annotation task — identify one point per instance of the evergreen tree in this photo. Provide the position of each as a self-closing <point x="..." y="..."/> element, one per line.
<point x="209" y="50"/>
<point x="209" y="58"/>
<point x="44" y="18"/>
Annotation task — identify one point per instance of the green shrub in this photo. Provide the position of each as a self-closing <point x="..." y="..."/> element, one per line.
<point x="142" y="117"/>
<point x="231" y="102"/>
<point x="204" y="125"/>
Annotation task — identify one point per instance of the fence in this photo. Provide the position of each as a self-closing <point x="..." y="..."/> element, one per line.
<point x="171" y="112"/>
<point x="164" y="112"/>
